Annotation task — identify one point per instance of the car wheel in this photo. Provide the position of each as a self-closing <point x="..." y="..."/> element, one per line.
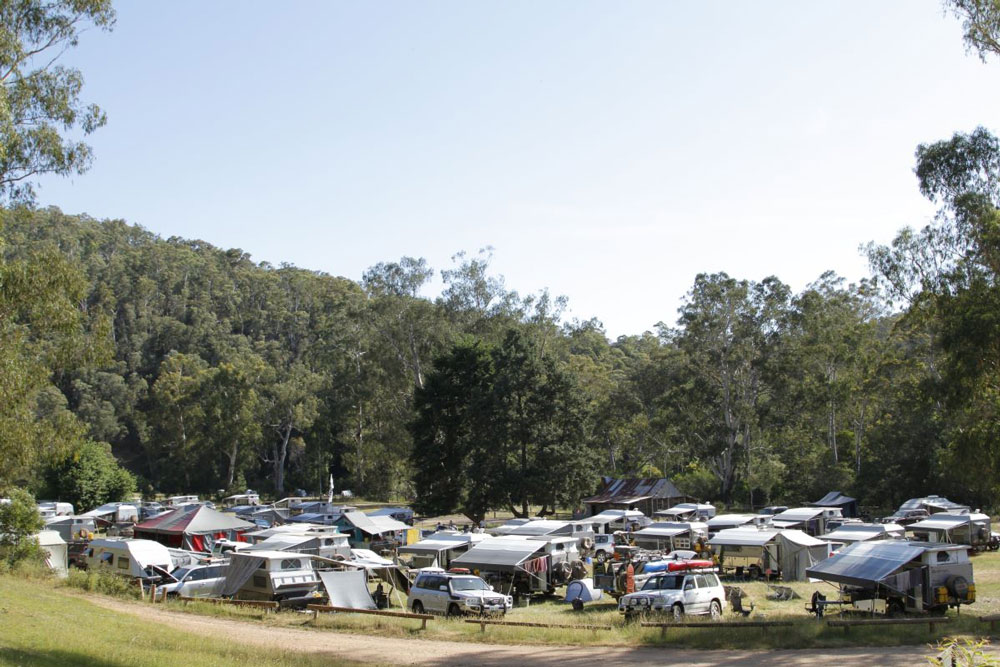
<point x="453" y="610"/>
<point x="418" y="607"/>
<point x="678" y="611"/>
<point x="715" y="610"/>
<point x="895" y="609"/>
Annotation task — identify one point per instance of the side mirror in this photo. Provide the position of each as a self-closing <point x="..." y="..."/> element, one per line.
<point x="493" y="588"/>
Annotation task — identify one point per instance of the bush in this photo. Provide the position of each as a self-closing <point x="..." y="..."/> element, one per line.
<point x="99" y="581"/>
<point x="19" y="523"/>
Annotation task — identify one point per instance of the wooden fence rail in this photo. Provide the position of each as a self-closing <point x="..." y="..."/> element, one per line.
<point x="763" y="625"/>
<point x="260" y="604"/>
<point x="316" y="609"/>
<point x="992" y="619"/>
<point x="931" y="621"/>
<point x="483" y="622"/>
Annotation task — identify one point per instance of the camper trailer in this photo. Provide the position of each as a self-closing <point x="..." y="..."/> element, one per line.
<point x="810" y="520"/>
<point x="141" y="559"/>
<point x="523" y="566"/>
<point x="439" y="549"/>
<point x="270" y="575"/>
<point x="686" y="512"/>
<point x="896" y="576"/>
<point x="970" y="528"/>
<point x="671" y="535"/>
<point x="754" y="552"/>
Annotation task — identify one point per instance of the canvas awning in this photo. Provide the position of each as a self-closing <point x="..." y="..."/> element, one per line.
<point x="347" y="588"/>
<point x="500" y="552"/>
<point x="434" y="546"/>
<point x="742" y="537"/>
<point x="856" y="533"/>
<point x="946" y="521"/>
<point x="865" y="564"/>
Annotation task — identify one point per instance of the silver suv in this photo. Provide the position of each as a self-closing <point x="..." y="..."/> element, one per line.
<point x="455" y="594"/>
<point x="196" y="581"/>
<point x="677" y="593"/>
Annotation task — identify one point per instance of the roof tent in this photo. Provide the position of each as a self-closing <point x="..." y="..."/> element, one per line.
<point x="848" y="506"/>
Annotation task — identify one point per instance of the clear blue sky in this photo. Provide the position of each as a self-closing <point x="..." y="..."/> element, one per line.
<point x="608" y="151"/>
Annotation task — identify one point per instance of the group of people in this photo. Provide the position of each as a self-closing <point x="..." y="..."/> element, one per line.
<point x="466" y="527"/>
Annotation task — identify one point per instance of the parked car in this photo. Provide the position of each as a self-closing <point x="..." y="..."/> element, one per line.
<point x="196" y="581"/>
<point x="455" y="594"/>
<point x="677" y="593"/>
<point x="604" y="547"/>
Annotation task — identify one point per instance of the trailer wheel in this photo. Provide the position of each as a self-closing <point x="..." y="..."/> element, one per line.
<point x="600" y="557"/>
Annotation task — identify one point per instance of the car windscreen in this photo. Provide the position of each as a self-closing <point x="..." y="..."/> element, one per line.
<point x="471" y="584"/>
<point x="668" y="583"/>
<point x="181" y="573"/>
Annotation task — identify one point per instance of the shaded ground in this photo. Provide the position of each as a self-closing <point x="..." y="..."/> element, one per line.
<point x="400" y="651"/>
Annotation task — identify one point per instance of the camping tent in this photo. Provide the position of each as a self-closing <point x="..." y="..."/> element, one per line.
<point x="194" y="527"/>
<point x="583" y="590"/>
<point x="797" y="552"/>
<point x="57" y="556"/>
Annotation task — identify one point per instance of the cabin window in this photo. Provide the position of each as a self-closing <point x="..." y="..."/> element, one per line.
<point x="560" y="547"/>
<point x="942" y="556"/>
<point x="291" y="564"/>
<point x="122" y="563"/>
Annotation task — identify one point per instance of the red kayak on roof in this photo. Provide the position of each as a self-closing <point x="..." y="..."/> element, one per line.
<point x="689" y="565"/>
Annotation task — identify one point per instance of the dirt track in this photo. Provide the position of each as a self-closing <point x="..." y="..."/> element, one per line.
<point x="396" y="651"/>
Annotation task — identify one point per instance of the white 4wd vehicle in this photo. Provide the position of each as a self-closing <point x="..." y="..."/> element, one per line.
<point x="455" y="594"/>
<point x="196" y="581"/>
<point x="677" y="593"/>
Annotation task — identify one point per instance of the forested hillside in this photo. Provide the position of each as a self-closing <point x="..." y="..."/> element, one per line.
<point x="132" y="362"/>
<point x="204" y="371"/>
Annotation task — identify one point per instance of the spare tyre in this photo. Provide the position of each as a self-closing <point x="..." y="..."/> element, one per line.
<point x="958" y="586"/>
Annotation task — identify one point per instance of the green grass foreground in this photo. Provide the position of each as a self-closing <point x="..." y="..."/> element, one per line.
<point x="806" y="632"/>
<point x="43" y="624"/>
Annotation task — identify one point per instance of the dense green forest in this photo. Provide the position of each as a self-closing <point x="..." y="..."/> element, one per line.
<point x="129" y="361"/>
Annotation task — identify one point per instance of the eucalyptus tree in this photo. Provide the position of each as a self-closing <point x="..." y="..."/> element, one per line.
<point x="40" y="99"/>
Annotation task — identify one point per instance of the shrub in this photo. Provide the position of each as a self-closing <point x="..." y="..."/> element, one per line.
<point x="19" y="523"/>
<point x="99" y="581"/>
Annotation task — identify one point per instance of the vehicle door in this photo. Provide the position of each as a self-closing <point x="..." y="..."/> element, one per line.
<point x="440" y="594"/>
<point x="704" y="592"/>
<point x="215" y="577"/>
<point x="690" y="590"/>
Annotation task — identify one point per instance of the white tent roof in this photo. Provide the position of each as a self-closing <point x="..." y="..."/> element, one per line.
<point x="750" y="537"/>
<point x="539" y="527"/>
<point x="730" y="519"/>
<point x="858" y="532"/>
<point x="946" y="521"/>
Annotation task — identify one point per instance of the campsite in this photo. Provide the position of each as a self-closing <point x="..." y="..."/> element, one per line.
<point x="620" y="331"/>
<point x="767" y="566"/>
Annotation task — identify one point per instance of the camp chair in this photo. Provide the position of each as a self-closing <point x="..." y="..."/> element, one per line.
<point x="736" y="600"/>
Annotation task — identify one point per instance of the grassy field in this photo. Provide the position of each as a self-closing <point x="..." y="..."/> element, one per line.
<point x="806" y="631"/>
<point x="40" y="625"/>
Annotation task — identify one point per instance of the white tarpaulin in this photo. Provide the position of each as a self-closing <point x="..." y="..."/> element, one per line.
<point x="583" y="590"/>
<point x="348" y="588"/>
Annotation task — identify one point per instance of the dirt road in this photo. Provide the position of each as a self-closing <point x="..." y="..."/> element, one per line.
<point x="397" y="651"/>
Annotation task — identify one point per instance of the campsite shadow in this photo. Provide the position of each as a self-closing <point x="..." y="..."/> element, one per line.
<point x="52" y="658"/>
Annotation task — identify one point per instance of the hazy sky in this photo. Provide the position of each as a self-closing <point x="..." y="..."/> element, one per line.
<point x="608" y="151"/>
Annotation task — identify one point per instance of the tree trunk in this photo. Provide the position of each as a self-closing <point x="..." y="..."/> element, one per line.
<point x="231" y="472"/>
<point x="280" y="455"/>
